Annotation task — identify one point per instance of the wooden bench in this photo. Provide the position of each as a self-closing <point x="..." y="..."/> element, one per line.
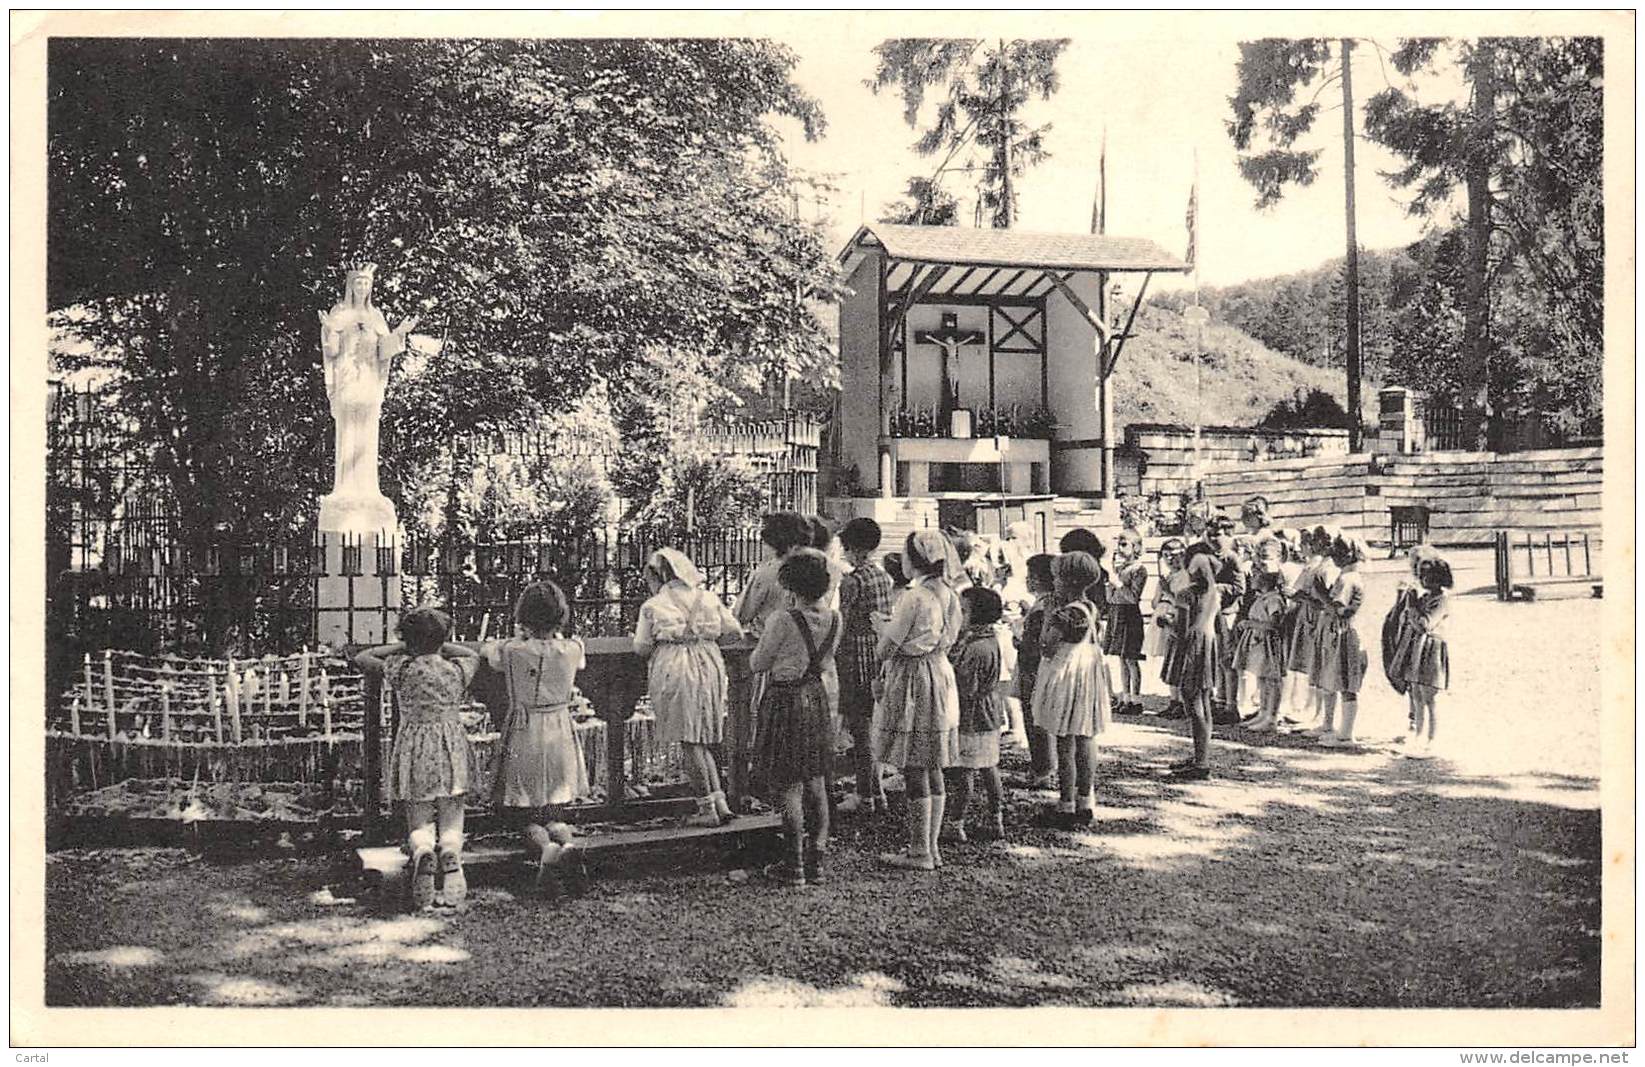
<point x="489" y="861"/>
<point x="1547" y="565"/>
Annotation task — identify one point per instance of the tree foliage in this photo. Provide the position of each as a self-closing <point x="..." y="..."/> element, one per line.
<point x="925" y="203"/>
<point x="981" y="92"/>
<point x="1529" y="144"/>
<point x="565" y="212"/>
<point x="1268" y="121"/>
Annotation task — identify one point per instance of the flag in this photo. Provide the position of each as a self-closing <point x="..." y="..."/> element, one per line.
<point x="1193" y="222"/>
<point x="1099" y="206"/>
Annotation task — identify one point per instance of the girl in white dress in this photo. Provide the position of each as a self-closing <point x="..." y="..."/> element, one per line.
<point x="1071" y="693"/>
<point x="679" y="631"/>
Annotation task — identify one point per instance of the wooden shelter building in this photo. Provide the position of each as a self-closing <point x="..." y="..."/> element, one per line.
<point x="975" y="367"/>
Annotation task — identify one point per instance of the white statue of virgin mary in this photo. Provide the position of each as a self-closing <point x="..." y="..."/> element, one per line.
<point x="358" y="349"/>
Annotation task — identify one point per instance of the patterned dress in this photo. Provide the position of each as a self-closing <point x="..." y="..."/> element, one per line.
<point x="864" y="593"/>
<point x="976" y="659"/>
<point x="679" y="630"/>
<point x="431" y="758"/>
<point x="794" y="740"/>
<point x="917" y="718"/>
<point x="540" y="763"/>
<point x="1071" y="694"/>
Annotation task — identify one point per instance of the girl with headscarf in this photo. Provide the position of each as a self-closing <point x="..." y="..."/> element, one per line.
<point x="679" y="630"/>
<point x="917" y="717"/>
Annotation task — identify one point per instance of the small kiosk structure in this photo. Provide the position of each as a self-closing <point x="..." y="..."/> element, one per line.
<point x="975" y="369"/>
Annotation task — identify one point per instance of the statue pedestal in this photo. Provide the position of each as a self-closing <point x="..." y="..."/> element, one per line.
<point x="357" y="598"/>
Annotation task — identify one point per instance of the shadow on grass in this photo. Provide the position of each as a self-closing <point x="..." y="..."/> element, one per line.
<point x="1298" y="877"/>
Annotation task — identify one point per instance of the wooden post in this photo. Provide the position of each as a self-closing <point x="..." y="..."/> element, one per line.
<point x="165" y="711"/>
<point x="108" y="688"/>
<point x="216" y="708"/>
<point x="371" y="754"/>
<point x="232" y="695"/>
<point x="1567" y="539"/>
<point x="91" y="690"/>
<point x="1587" y="560"/>
<point x="74" y="715"/>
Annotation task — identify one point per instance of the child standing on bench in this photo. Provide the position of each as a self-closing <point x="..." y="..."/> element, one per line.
<point x="679" y="632"/>
<point x="431" y="765"/>
<point x="795" y="734"/>
<point x="540" y="765"/>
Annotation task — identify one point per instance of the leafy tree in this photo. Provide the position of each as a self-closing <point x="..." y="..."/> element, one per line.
<point x="1526" y="148"/>
<point x="925" y="203"/>
<point x="565" y="212"/>
<point x="983" y="90"/>
<point x="1271" y="73"/>
<point x="1307" y="409"/>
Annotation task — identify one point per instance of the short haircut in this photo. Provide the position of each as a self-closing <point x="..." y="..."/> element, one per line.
<point x="542" y="608"/>
<point x="1076" y="572"/>
<point x="985" y="605"/>
<point x="861" y="534"/>
<point x="1435" y="573"/>
<point x="1042" y="570"/>
<point x="892" y="562"/>
<point x="805" y="574"/>
<point x="1081" y="540"/>
<point x="424" y="630"/>
<point x="1220" y="522"/>
<point x="785" y="531"/>
<point x="1172" y="545"/>
<point x="822" y="534"/>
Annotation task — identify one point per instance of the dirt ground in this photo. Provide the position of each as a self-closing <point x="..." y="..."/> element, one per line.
<point x="1298" y="877"/>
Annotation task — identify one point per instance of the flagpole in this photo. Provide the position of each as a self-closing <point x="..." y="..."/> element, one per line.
<point x="1199" y="333"/>
<point x="1105" y="395"/>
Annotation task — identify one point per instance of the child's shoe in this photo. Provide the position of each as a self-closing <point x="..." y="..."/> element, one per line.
<point x="790" y="870"/>
<point x="954" y="833"/>
<point x="813" y="863"/>
<point x="706" y="815"/>
<point x="853" y="803"/>
<point x="722" y="808"/>
<point x="454" y="889"/>
<point x="421" y="880"/>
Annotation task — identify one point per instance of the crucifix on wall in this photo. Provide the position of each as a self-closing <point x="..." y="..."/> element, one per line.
<point x="949" y="339"/>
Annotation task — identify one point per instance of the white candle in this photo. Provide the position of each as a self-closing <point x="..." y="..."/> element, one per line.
<point x="325" y="702"/>
<point x="285" y="689"/>
<point x="302" y="689"/>
<point x="74" y="715"/>
<point x="233" y="697"/>
<point x="216" y="708"/>
<point x="485" y="625"/>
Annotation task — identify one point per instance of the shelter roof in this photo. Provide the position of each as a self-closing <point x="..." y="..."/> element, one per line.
<point x="1017" y="248"/>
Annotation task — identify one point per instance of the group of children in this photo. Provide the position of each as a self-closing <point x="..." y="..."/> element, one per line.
<point x="922" y="659"/>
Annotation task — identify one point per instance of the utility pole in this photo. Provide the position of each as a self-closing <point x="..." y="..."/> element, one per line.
<point x="1355" y="431"/>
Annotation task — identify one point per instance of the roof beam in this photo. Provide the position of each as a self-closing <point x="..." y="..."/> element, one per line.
<point x="995" y="273"/>
<point x="957" y="283"/>
<point x="1118" y="343"/>
<point x="919" y="285"/>
<point x="1083" y="308"/>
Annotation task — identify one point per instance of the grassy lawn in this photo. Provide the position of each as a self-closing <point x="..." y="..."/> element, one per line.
<point x="1298" y="877"/>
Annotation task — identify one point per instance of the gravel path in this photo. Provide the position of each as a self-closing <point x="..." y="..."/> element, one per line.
<point x="1299" y="877"/>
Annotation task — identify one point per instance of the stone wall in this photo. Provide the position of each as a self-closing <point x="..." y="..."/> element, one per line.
<point x="1468" y="495"/>
<point x="1159" y="457"/>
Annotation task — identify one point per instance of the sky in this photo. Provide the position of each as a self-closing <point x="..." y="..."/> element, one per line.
<point x="1160" y="100"/>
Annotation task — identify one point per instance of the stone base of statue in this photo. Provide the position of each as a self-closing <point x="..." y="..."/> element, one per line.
<point x="357" y="597"/>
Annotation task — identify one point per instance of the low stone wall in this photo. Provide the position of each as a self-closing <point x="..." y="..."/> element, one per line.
<point x="1469" y="495"/>
<point x="1160" y="457"/>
